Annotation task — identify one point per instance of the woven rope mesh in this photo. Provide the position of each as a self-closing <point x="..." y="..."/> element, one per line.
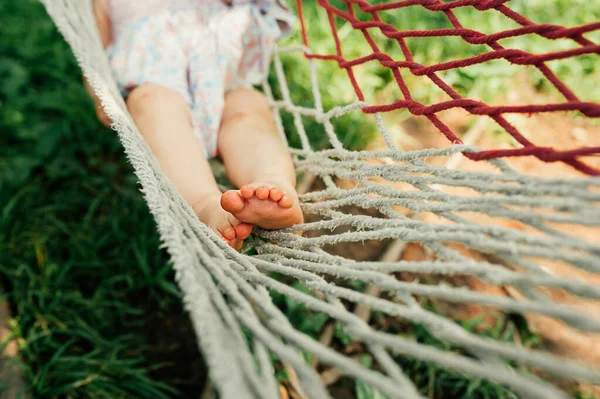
<point x="377" y="19"/>
<point x="494" y="227"/>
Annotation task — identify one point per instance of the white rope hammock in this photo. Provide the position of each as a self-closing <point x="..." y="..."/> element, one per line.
<point x="227" y="293"/>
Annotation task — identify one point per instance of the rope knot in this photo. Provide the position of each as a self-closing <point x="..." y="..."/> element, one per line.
<point x="484" y="5"/>
<point x="519" y="57"/>
<point x="416" y="108"/>
<point x="551" y="31"/>
<point x="477" y="107"/>
<point x="474" y="37"/>
<point x="546" y="154"/>
<point x="432" y="5"/>
<point x="590" y="110"/>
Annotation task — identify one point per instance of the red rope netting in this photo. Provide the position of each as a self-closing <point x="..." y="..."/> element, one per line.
<point x="474" y="107"/>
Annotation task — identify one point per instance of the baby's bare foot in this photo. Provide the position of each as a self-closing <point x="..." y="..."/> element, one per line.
<point x="267" y="205"/>
<point x="232" y="230"/>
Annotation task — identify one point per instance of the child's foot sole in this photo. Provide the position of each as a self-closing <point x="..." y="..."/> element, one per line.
<point x="265" y="205"/>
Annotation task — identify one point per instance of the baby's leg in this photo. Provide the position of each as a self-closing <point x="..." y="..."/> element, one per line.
<point x="258" y="162"/>
<point x="163" y="118"/>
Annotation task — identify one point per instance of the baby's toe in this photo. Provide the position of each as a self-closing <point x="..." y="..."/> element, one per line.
<point x="237" y="244"/>
<point x="223" y="238"/>
<point x="247" y="191"/>
<point x="231" y="201"/>
<point x="262" y="193"/>
<point x="286" y="201"/>
<point x="228" y="233"/>
<point x="275" y="194"/>
<point x="243" y="230"/>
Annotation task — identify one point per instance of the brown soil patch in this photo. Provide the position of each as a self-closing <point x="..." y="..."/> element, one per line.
<point x="11" y="378"/>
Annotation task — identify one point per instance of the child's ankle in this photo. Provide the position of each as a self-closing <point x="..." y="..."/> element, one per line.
<point x="201" y="203"/>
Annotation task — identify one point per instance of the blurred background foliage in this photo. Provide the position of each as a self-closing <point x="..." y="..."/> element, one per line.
<point x="487" y="81"/>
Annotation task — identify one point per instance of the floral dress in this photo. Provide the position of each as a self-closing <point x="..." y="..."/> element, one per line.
<point x="200" y="48"/>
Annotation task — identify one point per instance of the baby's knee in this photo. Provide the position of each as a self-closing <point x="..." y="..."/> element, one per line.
<point x="245" y="103"/>
<point x="149" y="96"/>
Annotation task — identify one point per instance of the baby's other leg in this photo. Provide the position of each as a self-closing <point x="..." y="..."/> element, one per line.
<point x="163" y="117"/>
<point x="257" y="161"/>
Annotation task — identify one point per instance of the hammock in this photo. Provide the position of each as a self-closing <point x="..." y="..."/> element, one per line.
<point x="227" y="293"/>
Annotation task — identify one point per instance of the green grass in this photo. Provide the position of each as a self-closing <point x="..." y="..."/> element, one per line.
<point x="78" y="248"/>
<point x="79" y="253"/>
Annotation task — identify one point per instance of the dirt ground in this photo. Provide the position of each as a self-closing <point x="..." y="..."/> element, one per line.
<point x="11" y="380"/>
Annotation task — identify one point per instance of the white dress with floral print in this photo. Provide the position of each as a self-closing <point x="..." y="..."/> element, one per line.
<point x="201" y="48"/>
